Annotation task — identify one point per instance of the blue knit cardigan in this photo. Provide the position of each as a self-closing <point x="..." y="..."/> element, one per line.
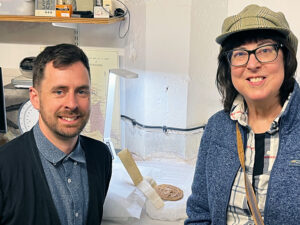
<point x="218" y="163"/>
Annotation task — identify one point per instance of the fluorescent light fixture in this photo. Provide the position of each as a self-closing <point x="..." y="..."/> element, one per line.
<point x="113" y="74"/>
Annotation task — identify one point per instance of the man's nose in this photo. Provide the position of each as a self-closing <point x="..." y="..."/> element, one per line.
<point x="71" y="101"/>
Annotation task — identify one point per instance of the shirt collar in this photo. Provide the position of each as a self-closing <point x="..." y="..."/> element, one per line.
<point x="53" y="154"/>
<point x="239" y="112"/>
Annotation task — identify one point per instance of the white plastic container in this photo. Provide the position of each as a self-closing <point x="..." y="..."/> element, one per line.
<point x="17" y="7"/>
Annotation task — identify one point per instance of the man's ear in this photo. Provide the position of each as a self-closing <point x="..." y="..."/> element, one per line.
<point x="34" y="97"/>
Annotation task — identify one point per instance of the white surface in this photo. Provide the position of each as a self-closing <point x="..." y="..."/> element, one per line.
<point x="145" y="220"/>
<point x="124" y="195"/>
<point x="123" y="199"/>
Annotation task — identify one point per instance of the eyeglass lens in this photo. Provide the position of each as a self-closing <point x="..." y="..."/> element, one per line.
<point x="263" y="54"/>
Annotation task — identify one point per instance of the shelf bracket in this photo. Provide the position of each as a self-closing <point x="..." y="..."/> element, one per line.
<point x="74" y="26"/>
<point x="66" y="25"/>
<point x="77" y="36"/>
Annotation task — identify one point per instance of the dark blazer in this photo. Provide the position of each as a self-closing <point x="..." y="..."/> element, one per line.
<point x="25" y="197"/>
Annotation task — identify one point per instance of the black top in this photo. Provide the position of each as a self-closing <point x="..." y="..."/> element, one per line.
<point x="25" y="198"/>
<point x="259" y="157"/>
<point x="259" y="154"/>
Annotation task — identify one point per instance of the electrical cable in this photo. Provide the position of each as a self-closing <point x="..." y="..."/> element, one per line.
<point x="164" y="128"/>
<point x="9" y="109"/>
<point x="11" y="124"/>
<point x="128" y="27"/>
<point x="125" y="13"/>
<point x="13" y="107"/>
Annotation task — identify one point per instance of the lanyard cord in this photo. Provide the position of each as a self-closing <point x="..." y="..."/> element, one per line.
<point x="249" y="190"/>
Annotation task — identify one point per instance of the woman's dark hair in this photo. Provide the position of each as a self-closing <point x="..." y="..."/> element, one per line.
<point x="223" y="78"/>
<point x="61" y="55"/>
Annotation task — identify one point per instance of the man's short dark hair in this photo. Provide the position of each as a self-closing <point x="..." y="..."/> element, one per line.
<point x="223" y="78"/>
<point x="61" y="55"/>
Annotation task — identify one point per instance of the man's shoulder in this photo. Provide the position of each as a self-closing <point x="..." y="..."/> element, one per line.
<point x="15" y="145"/>
<point x="16" y="152"/>
<point x="90" y="141"/>
<point x="93" y="146"/>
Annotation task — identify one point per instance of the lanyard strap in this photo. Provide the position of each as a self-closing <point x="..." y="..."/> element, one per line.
<point x="248" y="186"/>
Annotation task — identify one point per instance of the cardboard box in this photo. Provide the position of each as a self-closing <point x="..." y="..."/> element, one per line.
<point x="100" y="12"/>
<point x="85" y="5"/>
<point x="107" y="4"/>
<point x="63" y="10"/>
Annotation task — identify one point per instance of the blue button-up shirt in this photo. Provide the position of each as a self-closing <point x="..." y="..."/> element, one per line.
<point x="67" y="179"/>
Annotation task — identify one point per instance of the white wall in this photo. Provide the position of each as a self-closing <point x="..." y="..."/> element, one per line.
<point x="160" y="94"/>
<point x="178" y="80"/>
<point x="203" y="97"/>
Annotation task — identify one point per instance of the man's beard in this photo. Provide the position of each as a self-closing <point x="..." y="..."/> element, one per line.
<point x="65" y="131"/>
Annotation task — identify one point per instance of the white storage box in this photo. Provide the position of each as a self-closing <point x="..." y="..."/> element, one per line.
<point x="17" y="7"/>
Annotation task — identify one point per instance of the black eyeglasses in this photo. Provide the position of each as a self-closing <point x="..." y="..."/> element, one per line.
<point x="263" y="54"/>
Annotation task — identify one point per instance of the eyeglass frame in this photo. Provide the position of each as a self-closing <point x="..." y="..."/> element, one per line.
<point x="277" y="46"/>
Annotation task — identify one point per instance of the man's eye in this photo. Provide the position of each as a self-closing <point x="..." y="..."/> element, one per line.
<point x="84" y="92"/>
<point x="58" y="92"/>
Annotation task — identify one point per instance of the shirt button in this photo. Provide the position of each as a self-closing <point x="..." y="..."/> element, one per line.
<point x="76" y="214"/>
<point x="75" y="163"/>
<point x="69" y="180"/>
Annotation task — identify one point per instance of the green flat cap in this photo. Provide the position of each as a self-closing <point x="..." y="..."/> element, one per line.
<point x="256" y="17"/>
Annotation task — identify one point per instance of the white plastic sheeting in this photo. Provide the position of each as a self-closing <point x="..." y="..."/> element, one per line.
<point x="126" y="205"/>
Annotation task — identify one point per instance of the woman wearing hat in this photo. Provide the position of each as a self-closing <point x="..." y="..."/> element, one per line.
<point x="248" y="167"/>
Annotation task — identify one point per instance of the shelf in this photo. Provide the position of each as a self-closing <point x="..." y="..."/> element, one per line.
<point x="44" y="19"/>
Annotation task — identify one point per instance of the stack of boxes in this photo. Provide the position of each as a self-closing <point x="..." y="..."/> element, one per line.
<point x="64" y="8"/>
